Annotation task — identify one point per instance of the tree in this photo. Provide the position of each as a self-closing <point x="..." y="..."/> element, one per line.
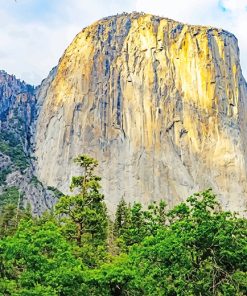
<point x="37" y="260"/>
<point x="201" y="251"/>
<point x="86" y="209"/>
<point x="12" y="211"/>
<point x="122" y="218"/>
<point x="132" y="223"/>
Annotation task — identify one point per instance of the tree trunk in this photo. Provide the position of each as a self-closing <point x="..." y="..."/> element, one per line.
<point x="79" y="234"/>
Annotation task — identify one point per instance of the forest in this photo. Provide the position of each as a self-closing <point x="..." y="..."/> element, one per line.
<point x="195" y="248"/>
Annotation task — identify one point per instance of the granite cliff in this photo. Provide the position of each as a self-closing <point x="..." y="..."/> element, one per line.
<point x="161" y="104"/>
<point x="18" y="113"/>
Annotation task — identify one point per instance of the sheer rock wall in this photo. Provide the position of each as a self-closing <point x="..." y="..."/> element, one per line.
<point x="160" y="104"/>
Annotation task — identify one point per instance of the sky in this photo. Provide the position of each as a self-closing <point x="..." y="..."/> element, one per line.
<point x="35" y="33"/>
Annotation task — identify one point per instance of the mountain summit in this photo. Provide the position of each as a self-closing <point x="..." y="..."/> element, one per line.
<point x="161" y="104"/>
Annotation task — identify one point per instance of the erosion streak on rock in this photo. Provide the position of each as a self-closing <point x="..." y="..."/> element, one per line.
<point x="161" y="104"/>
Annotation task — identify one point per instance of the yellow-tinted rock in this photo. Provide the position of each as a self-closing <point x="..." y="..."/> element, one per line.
<point x="160" y="104"/>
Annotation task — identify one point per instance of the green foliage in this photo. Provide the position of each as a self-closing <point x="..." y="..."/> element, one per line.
<point x="55" y="191"/>
<point x="84" y="214"/>
<point x="121" y="217"/>
<point x="38" y="261"/>
<point x="133" y="224"/>
<point x="3" y="174"/>
<point x="11" y="211"/>
<point x="201" y="252"/>
<point x="35" y="181"/>
<point x="115" y="278"/>
<point x="11" y="146"/>
<point x="8" y="220"/>
<point x="10" y="195"/>
<point x="193" y="249"/>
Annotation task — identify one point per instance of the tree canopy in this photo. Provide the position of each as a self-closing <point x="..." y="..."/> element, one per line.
<point x="195" y="248"/>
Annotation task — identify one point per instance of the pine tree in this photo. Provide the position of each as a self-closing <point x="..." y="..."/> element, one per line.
<point x="8" y="220"/>
<point x="86" y="209"/>
<point x="122" y="218"/>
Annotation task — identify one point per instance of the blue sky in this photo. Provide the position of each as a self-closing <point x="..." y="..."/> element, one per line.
<point x="34" y="33"/>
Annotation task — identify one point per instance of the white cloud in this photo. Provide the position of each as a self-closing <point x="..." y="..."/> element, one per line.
<point x="189" y="11"/>
<point x="235" y="5"/>
<point x="33" y="37"/>
<point x="235" y="21"/>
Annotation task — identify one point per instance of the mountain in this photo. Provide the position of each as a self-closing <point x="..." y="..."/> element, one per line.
<point x="161" y="105"/>
<point x="18" y="113"/>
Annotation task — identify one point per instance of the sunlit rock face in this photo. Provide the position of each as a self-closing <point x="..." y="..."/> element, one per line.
<point x="160" y="104"/>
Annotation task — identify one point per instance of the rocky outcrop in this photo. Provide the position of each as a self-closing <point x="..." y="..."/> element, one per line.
<point x="18" y="112"/>
<point x="17" y="108"/>
<point x="161" y="105"/>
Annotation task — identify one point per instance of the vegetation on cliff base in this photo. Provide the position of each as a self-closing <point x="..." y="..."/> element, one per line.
<point x="10" y="144"/>
<point x="193" y="249"/>
<point x="9" y="195"/>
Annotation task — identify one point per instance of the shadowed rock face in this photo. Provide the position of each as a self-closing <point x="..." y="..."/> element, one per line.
<point x="18" y="112"/>
<point x="161" y="105"/>
<point x="17" y="108"/>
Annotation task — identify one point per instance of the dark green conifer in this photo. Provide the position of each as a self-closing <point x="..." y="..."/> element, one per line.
<point x="86" y="209"/>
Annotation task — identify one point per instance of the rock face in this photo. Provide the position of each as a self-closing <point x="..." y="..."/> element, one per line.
<point x="162" y="106"/>
<point x="18" y="112"/>
<point x="17" y="108"/>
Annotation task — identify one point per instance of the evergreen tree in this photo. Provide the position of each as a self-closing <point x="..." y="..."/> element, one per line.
<point x="86" y="209"/>
<point x="10" y="216"/>
<point x="8" y="223"/>
<point x="133" y="223"/>
<point x="202" y="251"/>
<point x="122" y="218"/>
